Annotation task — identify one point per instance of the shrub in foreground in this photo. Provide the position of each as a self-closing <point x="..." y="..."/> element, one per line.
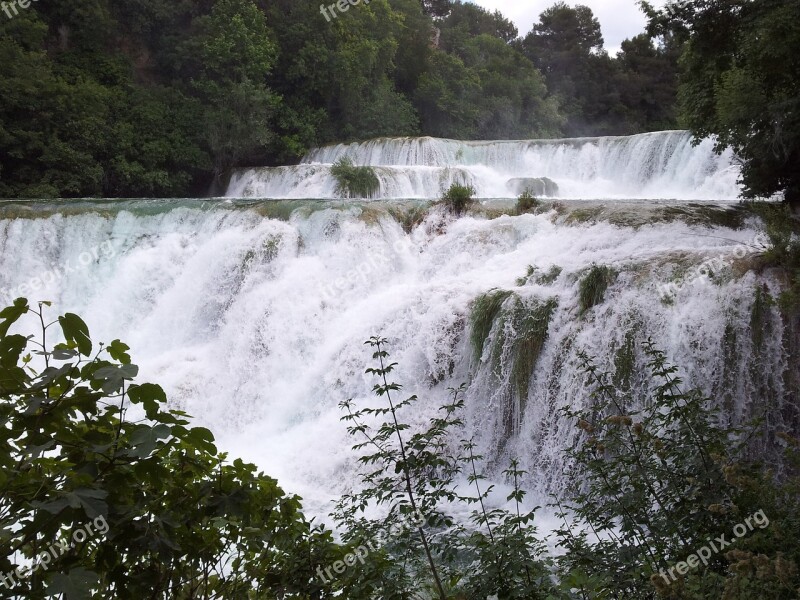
<point x="160" y="512"/>
<point x="667" y="481"/>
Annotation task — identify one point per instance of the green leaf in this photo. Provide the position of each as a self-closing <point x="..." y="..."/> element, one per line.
<point x="91" y="500"/>
<point x="202" y="438"/>
<point x="77" y="584"/>
<point x="146" y="438"/>
<point x="63" y="352"/>
<point x="76" y="331"/>
<point x="149" y="395"/>
<point x="11" y="314"/>
<point x="114" y="376"/>
<point x="11" y="347"/>
<point x="119" y="352"/>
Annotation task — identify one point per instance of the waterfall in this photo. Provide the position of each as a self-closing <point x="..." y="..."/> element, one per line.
<point x="662" y="165"/>
<point x="253" y="314"/>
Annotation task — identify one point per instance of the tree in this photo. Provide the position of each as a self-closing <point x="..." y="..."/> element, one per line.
<point x="479" y="85"/>
<point x="50" y="126"/>
<point x="446" y="97"/>
<point x="467" y="20"/>
<point x="436" y="8"/>
<point x="566" y="45"/>
<point x="564" y="35"/>
<point x="648" y="83"/>
<point x="226" y="63"/>
<point x="739" y="80"/>
<point x="513" y="101"/>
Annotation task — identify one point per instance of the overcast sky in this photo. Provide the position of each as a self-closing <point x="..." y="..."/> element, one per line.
<point x="620" y="19"/>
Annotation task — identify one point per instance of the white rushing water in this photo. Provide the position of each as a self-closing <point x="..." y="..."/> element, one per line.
<point x="651" y="165"/>
<point x="256" y="325"/>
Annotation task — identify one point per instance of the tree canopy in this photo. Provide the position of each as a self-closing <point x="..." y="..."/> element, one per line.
<point x="740" y="76"/>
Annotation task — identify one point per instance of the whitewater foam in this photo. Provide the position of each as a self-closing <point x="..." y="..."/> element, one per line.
<point x="663" y="164"/>
<point x="224" y="307"/>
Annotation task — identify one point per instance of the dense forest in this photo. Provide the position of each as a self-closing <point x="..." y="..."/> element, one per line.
<point x="147" y="98"/>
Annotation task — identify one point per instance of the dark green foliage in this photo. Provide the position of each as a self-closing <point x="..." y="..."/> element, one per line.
<point x="84" y="444"/>
<point x="593" y="286"/>
<point x="783" y="230"/>
<point x="483" y="88"/>
<point x="458" y="198"/>
<point x="739" y="81"/>
<point x="535" y="275"/>
<point x="353" y="181"/>
<point x="527" y="202"/>
<point x="503" y="543"/>
<point x="597" y="94"/>
<point x="467" y="20"/>
<point x="437" y="8"/>
<point x="409" y="476"/>
<point x="660" y="479"/>
<point x="647" y="81"/>
<point x="517" y="331"/>
<point x="532" y="324"/>
<point x="549" y="277"/>
<point x="92" y="108"/>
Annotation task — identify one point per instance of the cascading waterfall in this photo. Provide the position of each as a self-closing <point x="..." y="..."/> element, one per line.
<point x="253" y="316"/>
<point x="652" y="165"/>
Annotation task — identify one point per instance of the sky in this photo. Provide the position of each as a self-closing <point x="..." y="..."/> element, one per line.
<point x="619" y="19"/>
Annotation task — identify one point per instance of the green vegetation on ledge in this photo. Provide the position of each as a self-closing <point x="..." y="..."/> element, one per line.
<point x="353" y="181"/>
<point x="527" y="202"/>
<point x="593" y="286"/>
<point x="458" y="198"/>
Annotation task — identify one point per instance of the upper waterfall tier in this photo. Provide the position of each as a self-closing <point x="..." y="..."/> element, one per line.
<point x="657" y="165"/>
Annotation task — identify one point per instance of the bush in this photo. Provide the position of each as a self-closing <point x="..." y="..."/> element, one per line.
<point x="169" y="516"/>
<point x="527" y="202"/>
<point x="458" y="198"/>
<point x="783" y="230"/>
<point x="658" y="483"/>
<point x="412" y="476"/>
<point x="353" y="181"/>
